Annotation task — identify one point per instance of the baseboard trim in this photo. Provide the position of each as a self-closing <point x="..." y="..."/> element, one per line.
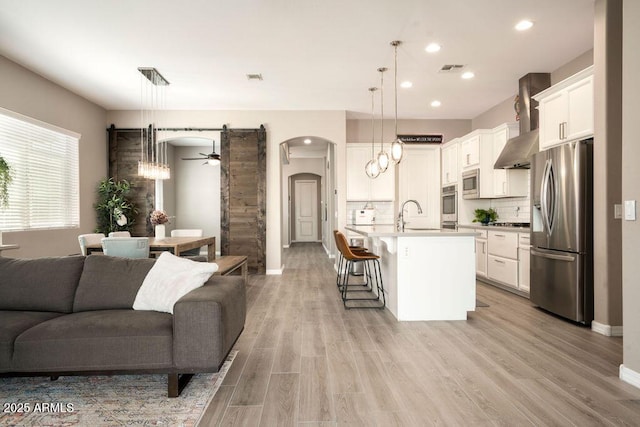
<point x="629" y="376"/>
<point x="606" y="330"/>
<point x="275" y="271"/>
<point x="285" y="246"/>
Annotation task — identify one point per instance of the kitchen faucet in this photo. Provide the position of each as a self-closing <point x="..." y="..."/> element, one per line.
<point x="401" y="223"/>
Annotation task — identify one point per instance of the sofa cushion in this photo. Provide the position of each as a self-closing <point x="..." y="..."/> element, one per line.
<point x="13" y="324"/>
<point x="95" y="341"/>
<point x="110" y="282"/>
<point x="171" y="278"/>
<point x="41" y="284"/>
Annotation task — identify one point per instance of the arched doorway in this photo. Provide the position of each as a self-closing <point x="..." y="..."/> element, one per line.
<point x="310" y="164"/>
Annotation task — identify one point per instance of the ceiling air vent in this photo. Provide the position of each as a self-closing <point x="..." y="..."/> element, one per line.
<point x="451" y="68"/>
<point x="254" y="76"/>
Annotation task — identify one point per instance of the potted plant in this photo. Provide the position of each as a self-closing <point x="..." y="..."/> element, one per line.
<point x="114" y="210"/>
<point x="485" y="216"/>
<point x="6" y="177"/>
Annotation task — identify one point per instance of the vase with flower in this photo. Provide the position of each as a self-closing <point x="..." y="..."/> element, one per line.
<point x="158" y="219"/>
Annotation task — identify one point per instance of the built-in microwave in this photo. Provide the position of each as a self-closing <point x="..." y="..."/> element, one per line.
<point x="471" y="184"/>
<point x="449" y="204"/>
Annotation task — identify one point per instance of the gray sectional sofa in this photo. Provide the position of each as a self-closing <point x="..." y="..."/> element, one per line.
<point x="73" y="315"/>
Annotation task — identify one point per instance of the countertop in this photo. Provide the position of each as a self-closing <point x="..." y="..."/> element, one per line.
<point x="496" y="227"/>
<point x="390" y="231"/>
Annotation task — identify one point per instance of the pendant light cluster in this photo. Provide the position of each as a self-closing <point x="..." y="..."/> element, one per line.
<point x="153" y="163"/>
<point x="380" y="163"/>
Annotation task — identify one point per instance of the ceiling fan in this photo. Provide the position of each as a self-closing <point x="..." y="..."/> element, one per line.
<point x="210" y="159"/>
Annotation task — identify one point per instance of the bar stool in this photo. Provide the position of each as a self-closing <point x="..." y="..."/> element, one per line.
<point x="373" y="274"/>
<point x="341" y="260"/>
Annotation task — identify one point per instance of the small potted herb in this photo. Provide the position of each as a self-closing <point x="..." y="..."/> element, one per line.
<point x="485" y="216"/>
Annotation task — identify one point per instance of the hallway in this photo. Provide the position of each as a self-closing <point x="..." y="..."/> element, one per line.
<point x="305" y="361"/>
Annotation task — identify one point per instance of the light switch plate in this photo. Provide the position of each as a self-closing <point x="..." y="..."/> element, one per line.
<point x="617" y="211"/>
<point x="630" y="210"/>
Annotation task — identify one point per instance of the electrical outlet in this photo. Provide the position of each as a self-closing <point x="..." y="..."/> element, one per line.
<point x="405" y="252"/>
<point x="617" y="211"/>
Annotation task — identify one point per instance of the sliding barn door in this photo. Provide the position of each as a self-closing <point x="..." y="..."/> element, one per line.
<point x="124" y="153"/>
<point x="242" y="199"/>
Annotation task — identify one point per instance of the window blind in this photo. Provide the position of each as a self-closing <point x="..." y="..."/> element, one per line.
<point x="44" y="193"/>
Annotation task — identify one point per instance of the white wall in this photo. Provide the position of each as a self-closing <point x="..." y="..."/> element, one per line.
<point x="630" y="180"/>
<point x="281" y="126"/>
<point x="29" y="94"/>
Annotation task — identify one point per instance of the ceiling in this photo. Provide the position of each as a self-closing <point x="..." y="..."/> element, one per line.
<point x="312" y="54"/>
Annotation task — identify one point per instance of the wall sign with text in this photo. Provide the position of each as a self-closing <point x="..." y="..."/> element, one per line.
<point x="421" y="139"/>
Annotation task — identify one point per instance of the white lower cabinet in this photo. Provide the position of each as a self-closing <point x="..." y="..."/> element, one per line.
<point x="502" y="257"/>
<point x="481" y="250"/>
<point x="481" y="257"/>
<point x="503" y="270"/>
<point x="502" y="262"/>
<point x="524" y="252"/>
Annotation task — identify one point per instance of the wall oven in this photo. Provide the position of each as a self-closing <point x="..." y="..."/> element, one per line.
<point x="449" y="207"/>
<point x="471" y="184"/>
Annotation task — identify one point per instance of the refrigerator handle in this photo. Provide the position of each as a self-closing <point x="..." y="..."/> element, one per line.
<point x="556" y="257"/>
<point x="544" y="197"/>
<point x="553" y="205"/>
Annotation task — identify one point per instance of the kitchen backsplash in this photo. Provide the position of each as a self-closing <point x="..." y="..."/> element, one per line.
<point x="384" y="211"/>
<point x="514" y="209"/>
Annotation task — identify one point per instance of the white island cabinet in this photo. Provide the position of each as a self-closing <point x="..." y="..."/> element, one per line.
<point x="428" y="274"/>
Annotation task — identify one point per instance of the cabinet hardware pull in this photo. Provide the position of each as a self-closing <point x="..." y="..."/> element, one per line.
<point x="498" y="261"/>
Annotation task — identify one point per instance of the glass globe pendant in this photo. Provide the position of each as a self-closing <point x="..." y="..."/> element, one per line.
<point x="372" y="169"/>
<point x="383" y="157"/>
<point x="397" y="146"/>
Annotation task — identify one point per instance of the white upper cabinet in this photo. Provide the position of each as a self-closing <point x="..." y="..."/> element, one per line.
<point x="450" y="163"/>
<point x="506" y="182"/>
<point x="566" y="110"/>
<point x="359" y="186"/>
<point x="418" y="175"/>
<point x="470" y="150"/>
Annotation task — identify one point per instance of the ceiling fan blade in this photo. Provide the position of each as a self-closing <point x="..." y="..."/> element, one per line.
<point x="202" y="154"/>
<point x="192" y="158"/>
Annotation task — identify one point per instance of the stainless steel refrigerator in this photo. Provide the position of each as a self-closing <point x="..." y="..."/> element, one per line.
<point x="562" y="230"/>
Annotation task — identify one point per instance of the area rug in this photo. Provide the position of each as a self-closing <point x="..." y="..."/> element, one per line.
<point x="116" y="400"/>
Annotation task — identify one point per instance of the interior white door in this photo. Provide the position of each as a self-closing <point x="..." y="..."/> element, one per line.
<point x="306" y="209"/>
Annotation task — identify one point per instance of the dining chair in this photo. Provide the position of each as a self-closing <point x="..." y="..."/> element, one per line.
<point x="188" y="232"/>
<point x="89" y="239"/>
<point x="119" y="234"/>
<point x="126" y="247"/>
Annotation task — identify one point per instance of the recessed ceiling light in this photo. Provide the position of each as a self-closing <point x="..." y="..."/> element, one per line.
<point x="406" y="84"/>
<point x="524" y="25"/>
<point x="436" y="103"/>
<point x="468" y="75"/>
<point x="307" y="141"/>
<point x="433" y="47"/>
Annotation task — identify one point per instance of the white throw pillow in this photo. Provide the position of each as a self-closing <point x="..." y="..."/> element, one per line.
<point x="170" y="278"/>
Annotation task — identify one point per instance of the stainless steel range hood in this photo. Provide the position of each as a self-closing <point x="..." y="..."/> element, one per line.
<point x="518" y="151"/>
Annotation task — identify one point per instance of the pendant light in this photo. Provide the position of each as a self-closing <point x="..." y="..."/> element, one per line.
<point x="397" y="146"/>
<point x="383" y="157"/>
<point x="153" y="163"/>
<point x="371" y="168"/>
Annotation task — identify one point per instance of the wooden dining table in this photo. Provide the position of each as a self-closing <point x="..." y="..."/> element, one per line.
<point x="175" y="245"/>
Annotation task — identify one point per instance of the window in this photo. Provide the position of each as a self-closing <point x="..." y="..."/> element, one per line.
<point x="44" y="193"/>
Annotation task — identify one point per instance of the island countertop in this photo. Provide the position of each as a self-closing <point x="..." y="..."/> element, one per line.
<point x="391" y="231"/>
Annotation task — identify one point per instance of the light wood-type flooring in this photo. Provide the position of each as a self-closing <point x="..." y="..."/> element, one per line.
<point x="305" y="361"/>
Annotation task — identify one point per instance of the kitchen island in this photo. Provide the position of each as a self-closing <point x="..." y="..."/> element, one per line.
<point x="428" y="274"/>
